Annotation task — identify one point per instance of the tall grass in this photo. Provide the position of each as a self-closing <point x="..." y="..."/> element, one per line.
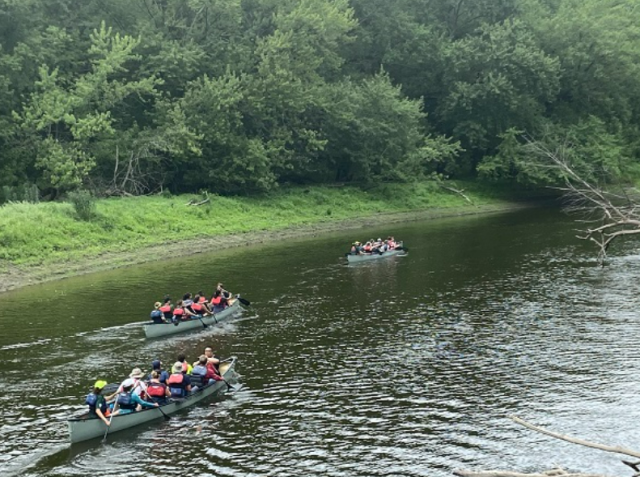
<point x="51" y="232"/>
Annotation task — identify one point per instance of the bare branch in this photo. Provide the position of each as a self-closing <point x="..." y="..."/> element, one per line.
<point x="574" y="440"/>
<point x="504" y="473"/>
<point x="460" y="192"/>
<point x="617" y="213"/>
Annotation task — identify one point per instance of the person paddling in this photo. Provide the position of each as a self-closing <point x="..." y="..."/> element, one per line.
<point x="227" y="295"/>
<point x="179" y="383"/>
<point x="197" y="307"/>
<point x="204" y="302"/>
<point x="212" y="361"/>
<point x="178" y="313"/>
<point x="97" y="403"/>
<point x="128" y="401"/>
<point x="156" y="365"/>
<point x="218" y="302"/>
<point x="202" y="374"/>
<point x="166" y="309"/>
<point x="157" y="390"/>
<point x="156" y="315"/>
<point x="187" y="303"/>
<point x="186" y="367"/>
<point x="135" y="379"/>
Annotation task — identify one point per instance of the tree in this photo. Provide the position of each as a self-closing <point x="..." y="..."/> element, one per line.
<point x="65" y="123"/>
<point x="499" y="79"/>
<point x="593" y="152"/>
<point x="556" y="472"/>
<point x="376" y="134"/>
<point x="607" y="209"/>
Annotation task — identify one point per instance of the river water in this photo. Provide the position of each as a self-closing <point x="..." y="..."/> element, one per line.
<point x="408" y="366"/>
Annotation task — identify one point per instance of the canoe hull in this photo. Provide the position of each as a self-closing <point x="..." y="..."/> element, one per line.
<point x="373" y="256"/>
<point x="84" y="429"/>
<point x="165" y="329"/>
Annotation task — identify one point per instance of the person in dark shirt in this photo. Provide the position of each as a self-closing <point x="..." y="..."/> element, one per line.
<point x="156" y="365"/>
<point x="97" y="403"/>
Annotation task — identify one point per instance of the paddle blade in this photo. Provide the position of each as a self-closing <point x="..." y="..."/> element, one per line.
<point x="244" y="301"/>
<point x="232" y="388"/>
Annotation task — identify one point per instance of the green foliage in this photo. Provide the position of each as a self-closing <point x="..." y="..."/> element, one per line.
<point x="246" y="96"/>
<point x="378" y="134"/>
<point x="20" y="193"/>
<point x="84" y="203"/>
<point x="65" y="122"/>
<point x="500" y="79"/>
<point x="589" y="149"/>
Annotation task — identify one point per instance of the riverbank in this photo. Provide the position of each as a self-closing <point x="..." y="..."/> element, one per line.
<point x="44" y="242"/>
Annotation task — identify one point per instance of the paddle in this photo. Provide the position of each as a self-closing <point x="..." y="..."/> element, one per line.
<point x="104" y="439"/>
<point x="243" y="301"/>
<point x="230" y="387"/>
<point x="168" y="418"/>
<point x="204" y="325"/>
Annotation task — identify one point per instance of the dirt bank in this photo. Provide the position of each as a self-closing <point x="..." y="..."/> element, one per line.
<point x="16" y="277"/>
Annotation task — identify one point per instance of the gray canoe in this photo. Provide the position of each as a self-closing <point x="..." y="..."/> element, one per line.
<point x="374" y="256"/>
<point x="153" y="330"/>
<point x="84" y="427"/>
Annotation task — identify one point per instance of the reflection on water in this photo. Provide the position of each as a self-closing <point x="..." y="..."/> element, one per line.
<point x="403" y="366"/>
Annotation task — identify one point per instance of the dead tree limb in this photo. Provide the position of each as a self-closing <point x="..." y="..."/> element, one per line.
<point x="460" y="192"/>
<point x="194" y="202"/>
<point x="574" y="440"/>
<point x="613" y="215"/>
<point x="554" y="472"/>
<point x="504" y="473"/>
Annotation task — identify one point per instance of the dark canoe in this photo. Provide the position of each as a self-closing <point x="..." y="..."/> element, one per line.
<point x="153" y="330"/>
<point x="84" y="427"/>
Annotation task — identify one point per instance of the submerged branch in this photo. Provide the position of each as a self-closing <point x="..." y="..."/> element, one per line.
<point x="574" y="440"/>
<point x="505" y="473"/>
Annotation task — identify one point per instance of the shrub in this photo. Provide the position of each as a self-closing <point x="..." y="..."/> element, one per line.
<point x="22" y="193"/>
<point x="84" y="204"/>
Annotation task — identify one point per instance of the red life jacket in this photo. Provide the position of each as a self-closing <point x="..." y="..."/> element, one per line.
<point x="178" y="312"/>
<point x="197" y="307"/>
<point x="216" y="301"/>
<point x="165" y="308"/>
<point x="202" y="300"/>
<point x="156" y="389"/>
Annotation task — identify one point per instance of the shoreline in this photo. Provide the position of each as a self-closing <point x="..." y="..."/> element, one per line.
<point x="18" y="277"/>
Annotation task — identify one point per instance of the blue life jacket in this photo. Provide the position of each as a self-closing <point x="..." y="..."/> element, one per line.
<point x="199" y="370"/>
<point x="125" y="401"/>
<point x="92" y="401"/>
<point x="156" y="316"/>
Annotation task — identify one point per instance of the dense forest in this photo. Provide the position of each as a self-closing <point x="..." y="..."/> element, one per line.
<point x="240" y="96"/>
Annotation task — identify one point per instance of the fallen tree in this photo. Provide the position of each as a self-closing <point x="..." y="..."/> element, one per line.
<point x="607" y="212"/>
<point x="558" y="472"/>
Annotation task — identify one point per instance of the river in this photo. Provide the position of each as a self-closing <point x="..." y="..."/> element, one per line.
<point x="407" y="366"/>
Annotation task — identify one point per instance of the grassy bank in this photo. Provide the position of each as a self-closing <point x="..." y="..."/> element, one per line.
<point x="37" y="235"/>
